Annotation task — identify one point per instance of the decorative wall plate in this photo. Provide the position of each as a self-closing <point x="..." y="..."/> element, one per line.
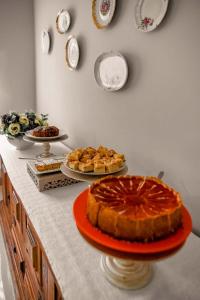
<point x="45" y="41"/>
<point x="149" y="14"/>
<point x="111" y="71"/>
<point x="102" y="12"/>
<point x="63" y="21"/>
<point x="72" y="52"/>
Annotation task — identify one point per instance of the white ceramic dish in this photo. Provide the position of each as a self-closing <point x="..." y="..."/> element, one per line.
<point x="103" y="12"/>
<point x="149" y="14"/>
<point x="63" y="21"/>
<point x="95" y="173"/>
<point x="34" y="169"/>
<point x="49" y="138"/>
<point x="111" y="71"/>
<point x="72" y="53"/>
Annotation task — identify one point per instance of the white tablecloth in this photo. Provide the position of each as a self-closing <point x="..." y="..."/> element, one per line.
<point x="74" y="262"/>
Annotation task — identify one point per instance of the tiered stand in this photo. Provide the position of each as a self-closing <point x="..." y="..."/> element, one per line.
<point x="128" y="265"/>
<point x="46" y="144"/>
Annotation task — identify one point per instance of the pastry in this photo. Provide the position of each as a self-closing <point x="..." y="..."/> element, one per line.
<point x="86" y="167"/>
<point x="100" y="160"/>
<point x="134" y="207"/>
<point x="99" y="167"/>
<point x="73" y="164"/>
<point x="48" y="165"/>
<point x="46" y="131"/>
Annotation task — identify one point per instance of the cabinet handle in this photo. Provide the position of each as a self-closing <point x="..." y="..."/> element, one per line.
<point x="22" y="266"/>
<point x="8" y="200"/>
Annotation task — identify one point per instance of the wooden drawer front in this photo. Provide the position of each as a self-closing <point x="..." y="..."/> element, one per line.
<point x="45" y="277"/>
<point x="16" y="211"/>
<point x="33" y="251"/>
<point x="31" y="293"/>
<point x="17" y="256"/>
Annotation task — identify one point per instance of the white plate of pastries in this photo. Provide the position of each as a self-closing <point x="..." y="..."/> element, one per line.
<point x="93" y="161"/>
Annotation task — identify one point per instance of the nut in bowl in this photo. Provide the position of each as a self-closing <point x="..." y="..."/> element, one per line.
<point x="95" y="161"/>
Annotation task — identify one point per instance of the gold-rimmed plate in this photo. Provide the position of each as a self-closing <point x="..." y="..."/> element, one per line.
<point x="63" y="21"/>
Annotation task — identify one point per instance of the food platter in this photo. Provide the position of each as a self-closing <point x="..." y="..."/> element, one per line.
<point x="103" y="12"/>
<point x="149" y="14"/>
<point x="157" y="248"/>
<point x="96" y="173"/>
<point x="63" y="21"/>
<point x="111" y="71"/>
<point x="48" y="138"/>
<point x="72" y="53"/>
<point x="85" y="177"/>
<point x="45" y="41"/>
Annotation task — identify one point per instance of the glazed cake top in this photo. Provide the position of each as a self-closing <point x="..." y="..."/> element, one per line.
<point x="136" y="196"/>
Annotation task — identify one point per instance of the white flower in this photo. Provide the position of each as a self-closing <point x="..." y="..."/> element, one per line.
<point x="23" y="120"/>
<point x="14" y="128"/>
<point x="45" y="123"/>
<point x="38" y="121"/>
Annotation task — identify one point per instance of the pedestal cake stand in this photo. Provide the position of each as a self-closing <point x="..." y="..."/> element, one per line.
<point x="128" y="265"/>
<point x="46" y="143"/>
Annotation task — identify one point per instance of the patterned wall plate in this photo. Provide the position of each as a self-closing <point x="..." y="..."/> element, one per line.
<point x="72" y="52"/>
<point x="149" y="14"/>
<point x="45" y="41"/>
<point x="102" y="12"/>
<point x="111" y="71"/>
<point x="63" y="21"/>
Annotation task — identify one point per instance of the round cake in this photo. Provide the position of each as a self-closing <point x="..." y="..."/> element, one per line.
<point x="47" y="131"/>
<point x="135" y="208"/>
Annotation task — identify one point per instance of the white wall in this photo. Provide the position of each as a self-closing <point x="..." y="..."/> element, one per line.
<point x="17" y="71"/>
<point x="154" y="120"/>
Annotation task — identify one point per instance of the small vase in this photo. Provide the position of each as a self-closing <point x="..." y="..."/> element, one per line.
<point x="19" y="143"/>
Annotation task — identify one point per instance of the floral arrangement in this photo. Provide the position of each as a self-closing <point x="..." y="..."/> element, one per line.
<point x="16" y="124"/>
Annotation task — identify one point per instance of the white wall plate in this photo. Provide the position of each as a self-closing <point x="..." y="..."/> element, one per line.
<point x="72" y="53"/>
<point x="45" y="41"/>
<point x="102" y="12"/>
<point x="111" y="71"/>
<point x="149" y="14"/>
<point x="63" y="21"/>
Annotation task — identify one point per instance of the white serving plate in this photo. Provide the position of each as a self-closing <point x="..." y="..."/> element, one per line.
<point x="149" y="14"/>
<point x="95" y="173"/>
<point x="48" y="138"/>
<point x="103" y="12"/>
<point x="111" y="71"/>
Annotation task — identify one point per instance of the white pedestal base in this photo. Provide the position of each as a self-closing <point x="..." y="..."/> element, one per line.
<point x="125" y="273"/>
<point x="46" y="153"/>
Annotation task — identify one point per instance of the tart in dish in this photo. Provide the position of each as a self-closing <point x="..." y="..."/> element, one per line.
<point x="46" y="131"/>
<point x="100" y="160"/>
<point x="49" y="164"/>
<point x="135" y="208"/>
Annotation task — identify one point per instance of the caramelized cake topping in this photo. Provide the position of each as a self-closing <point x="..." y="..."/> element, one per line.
<point x="135" y="199"/>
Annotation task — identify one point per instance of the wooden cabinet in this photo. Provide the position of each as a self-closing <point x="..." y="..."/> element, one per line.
<point x="30" y="269"/>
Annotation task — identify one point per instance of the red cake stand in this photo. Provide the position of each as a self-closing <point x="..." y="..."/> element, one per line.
<point x="128" y="265"/>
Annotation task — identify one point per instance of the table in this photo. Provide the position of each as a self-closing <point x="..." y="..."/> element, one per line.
<point x="74" y="262"/>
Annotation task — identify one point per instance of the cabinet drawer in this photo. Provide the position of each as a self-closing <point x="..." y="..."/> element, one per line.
<point x="33" y="250"/>
<point x="31" y="293"/>
<point x="16" y="211"/>
<point x="17" y="255"/>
